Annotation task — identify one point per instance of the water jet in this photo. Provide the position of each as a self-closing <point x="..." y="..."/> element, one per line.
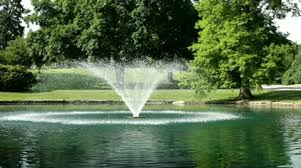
<point x="136" y="83"/>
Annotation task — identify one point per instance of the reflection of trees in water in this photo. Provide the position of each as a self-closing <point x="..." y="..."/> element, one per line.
<point x="292" y="136"/>
<point x="242" y="144"/>
<point x="10" y="148"/>
<point x="87" y="146"/>
<point x="258" y="141"/>
<point x="37" y="147"/>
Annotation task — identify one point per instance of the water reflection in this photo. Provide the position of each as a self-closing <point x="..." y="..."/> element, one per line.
<point x="292" y="137"/>
<point x="261" y="139"/>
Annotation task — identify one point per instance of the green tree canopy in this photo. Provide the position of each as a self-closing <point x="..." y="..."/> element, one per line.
<point x="10" y="21"/>
<point x="165" y="28"/>
<point x="115" y="30"/>
<point x="57" y="37"/>
<point x="239" y="45"/>
<point x="293" y="74"/>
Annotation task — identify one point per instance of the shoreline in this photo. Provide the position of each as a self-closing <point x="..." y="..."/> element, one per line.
<point x="254" y="103"/>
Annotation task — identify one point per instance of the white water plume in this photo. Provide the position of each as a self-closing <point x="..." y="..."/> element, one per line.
<point x="82" y="117"/>
<point x="138" y="81"/>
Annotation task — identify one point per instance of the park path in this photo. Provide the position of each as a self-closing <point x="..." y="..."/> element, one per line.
<point x="281" y="87"/>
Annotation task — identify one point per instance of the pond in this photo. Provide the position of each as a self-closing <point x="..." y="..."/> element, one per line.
<point x="165" y="136"/>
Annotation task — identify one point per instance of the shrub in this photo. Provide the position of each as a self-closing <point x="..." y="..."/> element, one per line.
<point x="16" y="78"/>
<point x="16" y="53"/>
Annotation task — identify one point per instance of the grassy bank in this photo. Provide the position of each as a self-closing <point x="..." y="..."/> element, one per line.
<point x="158" y="95"/>
<point x="79" y="84"/>
<point x="52" y="79"/>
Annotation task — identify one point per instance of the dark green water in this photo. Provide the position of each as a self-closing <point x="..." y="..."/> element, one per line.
<point x="258" y="138"/>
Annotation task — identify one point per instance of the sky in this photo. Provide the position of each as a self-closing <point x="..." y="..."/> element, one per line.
<point x="291" y="25"/>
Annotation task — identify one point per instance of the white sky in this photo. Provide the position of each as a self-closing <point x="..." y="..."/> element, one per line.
<point x="291" y="25"/>
<point x="27" y="5"/>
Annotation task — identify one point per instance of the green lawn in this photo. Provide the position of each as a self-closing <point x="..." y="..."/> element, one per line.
<point x="284" y="96"/>
<point x="158" y="95"/>
<point x="174" y="95"/>
<point x="79" y="84"/>
<point x="52" y="79"/>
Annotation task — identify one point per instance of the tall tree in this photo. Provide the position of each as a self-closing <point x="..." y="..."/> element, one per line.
<point x="115" y="30"/>
<point x="239" y="45"/>
<point x="10" y="21"/>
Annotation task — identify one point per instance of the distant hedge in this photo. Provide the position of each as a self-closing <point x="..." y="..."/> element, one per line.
<point x="16" y="78"/>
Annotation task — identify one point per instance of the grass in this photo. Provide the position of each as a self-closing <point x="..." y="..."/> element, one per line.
<point x="52" y="79"/>
<point x="67" y="79"/>
<point x="158" y="95"/>
<point x="283" y="96"/>
<point x="79" y="84"/>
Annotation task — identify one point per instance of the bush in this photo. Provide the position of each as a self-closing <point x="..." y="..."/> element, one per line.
<point x="16" y="53"/>
<point x="16" y="78"/>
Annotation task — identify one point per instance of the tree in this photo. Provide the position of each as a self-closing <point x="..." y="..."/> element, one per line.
<point x="57" y="37"/>
<point x="124" y="31"/>
<point x="239" y="45"/>
<point x="293" y="74"/>
<point x="16" y="53"/>
<point x="165" y="29"/>
<point x="37" y="44"/>
<point x="10" y="21"/>
<point x="114" y="30"/>
<point x="108" y="36"/>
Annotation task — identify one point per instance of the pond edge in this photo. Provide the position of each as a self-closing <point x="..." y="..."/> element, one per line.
<point x="271" y="104"/>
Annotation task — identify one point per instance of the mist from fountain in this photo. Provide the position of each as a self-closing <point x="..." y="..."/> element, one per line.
<point x="140" y="80"/>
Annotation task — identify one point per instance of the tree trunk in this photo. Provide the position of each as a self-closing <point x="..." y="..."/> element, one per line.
<point x="170" y="77"/>
<point x="245" y="94"/>
<point x="119" y="73"/>
<point x="170" y="74"/>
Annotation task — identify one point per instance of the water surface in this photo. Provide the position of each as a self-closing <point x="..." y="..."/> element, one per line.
<point x="252" y="138"/>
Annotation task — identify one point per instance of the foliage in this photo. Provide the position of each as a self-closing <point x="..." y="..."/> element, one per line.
<point x="16" y="53"/>
<point x="165" y="28"/>
<point x="108" y="36"/>
<point x="293" y="75"/>
<point x="239" y="45"/>
<point x="10" y="21"/>
<point x="112" y="29"/>
<point x="16" y="78"/>
<point x="56" y="38"/>
<point x="37" y="47"/>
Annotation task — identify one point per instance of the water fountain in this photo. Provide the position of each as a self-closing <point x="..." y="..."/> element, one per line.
<point x="135" y="84"/>
<point x="138" y="84"/>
